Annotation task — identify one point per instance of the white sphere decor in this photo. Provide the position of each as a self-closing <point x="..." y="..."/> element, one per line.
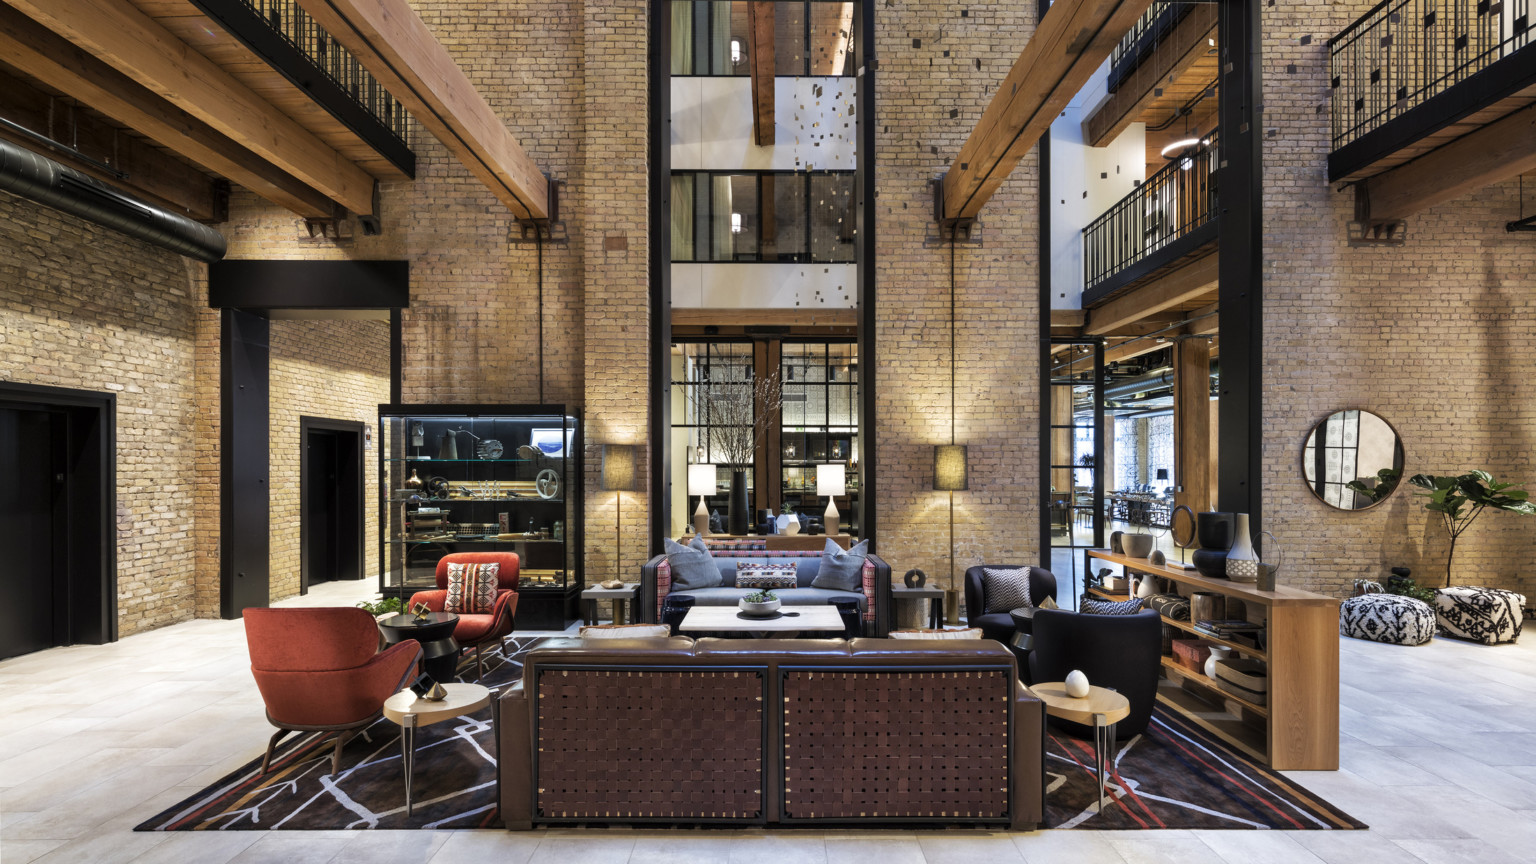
<point x="1077" y="684"/>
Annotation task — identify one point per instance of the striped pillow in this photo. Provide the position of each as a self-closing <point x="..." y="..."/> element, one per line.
<point x="472" y="588"/>
<point x="1110" y="607"/>
<point x="1005" y="589"/>
<point x="766" y="577"/>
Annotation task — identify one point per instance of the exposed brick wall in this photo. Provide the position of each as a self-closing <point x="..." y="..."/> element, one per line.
<point x="336" y="370"/>
<point x="86" y="308"/>
<point x="1433" y="336"/>
<point x="996" y="303"/>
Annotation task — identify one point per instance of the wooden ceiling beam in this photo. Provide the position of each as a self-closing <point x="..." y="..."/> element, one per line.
<point x="1073" y="39"/>
<point x="1170" y="59"/>
<point x="392" y="42"/>
<point x="1503" y="149"/>
<point x="690" y="317"/>
<point x="139" y="46"/>
<point x="60" y="64"/>
<point x="1200" y="322"/>
<point x="761" y="65"/>
<point x="1174" y="288"/>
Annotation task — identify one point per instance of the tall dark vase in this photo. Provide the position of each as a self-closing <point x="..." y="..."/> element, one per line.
<point x="739" y="514"/>
<point x="1216" y="533"/>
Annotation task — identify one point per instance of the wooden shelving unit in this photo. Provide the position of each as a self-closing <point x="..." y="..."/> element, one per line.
<point x="1299" y="729"/>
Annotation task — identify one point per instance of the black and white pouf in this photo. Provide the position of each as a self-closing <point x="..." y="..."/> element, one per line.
<point x="1388" y="618"/>
<point x="1486" y="615"/>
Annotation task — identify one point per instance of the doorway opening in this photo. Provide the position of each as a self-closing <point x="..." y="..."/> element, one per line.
<point x="331" y="501"/>
<point x="59" y="574"/>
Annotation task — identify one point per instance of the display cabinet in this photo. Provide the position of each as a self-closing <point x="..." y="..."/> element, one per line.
<point x="484" y="478"/>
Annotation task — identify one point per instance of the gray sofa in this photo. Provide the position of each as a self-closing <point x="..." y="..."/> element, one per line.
<point x="874" y="601"/>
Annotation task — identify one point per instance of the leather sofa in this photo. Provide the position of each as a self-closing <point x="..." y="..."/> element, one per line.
<point x="771" y="731"/>
<point x="875" y="600"/>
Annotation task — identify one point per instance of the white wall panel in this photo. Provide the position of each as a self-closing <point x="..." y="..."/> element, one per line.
<point x="712" y="125"/>
<point x="763" y="286"/>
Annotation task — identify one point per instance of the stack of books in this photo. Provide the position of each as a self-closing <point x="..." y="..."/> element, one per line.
<point x="1227" y="628"/>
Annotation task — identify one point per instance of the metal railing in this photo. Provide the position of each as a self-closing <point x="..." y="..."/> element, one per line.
<point x="1152" y="27"/>
<point x="1171" y="203"/>
<point x="1403" y="52"/>
<point x="293" y="24"/>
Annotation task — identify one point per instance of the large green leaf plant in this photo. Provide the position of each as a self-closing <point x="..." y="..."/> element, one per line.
<point x="1461" y="499"/>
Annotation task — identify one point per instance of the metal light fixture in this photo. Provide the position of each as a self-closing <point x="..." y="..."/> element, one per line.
<point x="735" y="223"/>
<point x="1179" y="146"/>
<point x="735" y="51"/>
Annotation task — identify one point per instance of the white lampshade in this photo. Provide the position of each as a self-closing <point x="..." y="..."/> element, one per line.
<point x="701" y="480"/>
<point x="831" y="480"/>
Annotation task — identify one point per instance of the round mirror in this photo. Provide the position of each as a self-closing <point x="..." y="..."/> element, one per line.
<point x="1353" y="460"/>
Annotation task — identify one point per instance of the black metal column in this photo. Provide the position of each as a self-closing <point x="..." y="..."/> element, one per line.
<point x="660" y="349"/>
<point x="244" y="458"/>
<point x="1043" y="337"/>
<point x="1239" y="226"/>
<point x="864" y="256"/>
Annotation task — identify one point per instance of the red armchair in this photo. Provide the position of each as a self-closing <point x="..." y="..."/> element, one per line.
<point x="477" y="631"/>
<point x="320" y="670"/>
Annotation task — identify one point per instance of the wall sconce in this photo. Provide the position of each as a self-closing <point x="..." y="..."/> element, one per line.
<point x="735" y="51"/>
<point x="735" y="223"/>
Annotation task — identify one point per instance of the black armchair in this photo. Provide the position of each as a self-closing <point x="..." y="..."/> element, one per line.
<point x="1120" y="652"/>
<point x="997" y="625"/>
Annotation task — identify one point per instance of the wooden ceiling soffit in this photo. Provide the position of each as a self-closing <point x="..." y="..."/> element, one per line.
<point x="107" y="152"/>
<point x="761" y="61"/>
<point x="1499" y="151"/>
<point x="1187" y="283"/>
<point x="1199" y="322"/>
<point x="1170" y="59"/>
<point x="1073" y="39"/>
<point x="139" y="46"/>
<point x="693" y="317"/>
<point x="392" y="42"/>
<point x="63" y="66"/>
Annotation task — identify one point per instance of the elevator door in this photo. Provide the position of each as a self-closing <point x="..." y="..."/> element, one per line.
<point x="320" y="507"/>
<point x="34" y="614"/>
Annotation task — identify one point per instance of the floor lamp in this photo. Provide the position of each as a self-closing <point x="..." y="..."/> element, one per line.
<point x="701" y="482"/>
<point x="950" y="475"/>
<point x="618" y="476"/>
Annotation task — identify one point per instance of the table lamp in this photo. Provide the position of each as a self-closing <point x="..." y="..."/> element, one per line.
<point x="701" y="482"/>
<point x="831" y="480"/>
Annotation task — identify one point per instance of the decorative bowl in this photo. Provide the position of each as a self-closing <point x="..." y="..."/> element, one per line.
<point x="1136" y="545"/>
<point x="763" y="609"/>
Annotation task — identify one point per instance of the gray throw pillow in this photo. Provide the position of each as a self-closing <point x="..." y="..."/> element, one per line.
<point x="692" y="566"/>
<point x="1005" y="589"/>
<point x="842" y="569"/>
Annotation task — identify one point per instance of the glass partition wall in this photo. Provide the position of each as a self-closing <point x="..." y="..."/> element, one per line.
<point x="1075" y="494"/>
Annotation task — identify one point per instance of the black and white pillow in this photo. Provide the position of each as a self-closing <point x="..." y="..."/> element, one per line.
<point x="1110" y="607"/>
<point x="765" y="577"/>
<point x="1005" y="589"/>
<point x="1387" y="618"/>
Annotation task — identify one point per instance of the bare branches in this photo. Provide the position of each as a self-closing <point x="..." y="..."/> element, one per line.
<point x="739" y="408"/>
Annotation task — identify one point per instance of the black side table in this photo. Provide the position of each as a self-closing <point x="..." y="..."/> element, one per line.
<point x="1023" y="640"/>
<point x="439" y="650"/>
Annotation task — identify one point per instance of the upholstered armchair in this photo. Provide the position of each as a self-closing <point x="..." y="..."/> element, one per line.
<point x="998" y="625"/>
<point x="477" y="630"/>
<point x="320" y="670"/>
<point x="1121" y="652"/>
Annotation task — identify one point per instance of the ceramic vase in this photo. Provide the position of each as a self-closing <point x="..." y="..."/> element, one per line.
<point x="1136" y="545"/>
<point x="739" y="515"/>
<point x="1218" y="652"/>
<point x="1214" y="531"/>
<point x="1114" y="543"/>
<point x="1242" y="561"/>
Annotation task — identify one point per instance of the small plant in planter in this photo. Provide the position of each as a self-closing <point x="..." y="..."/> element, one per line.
<point x="1462" y="498"/>
<point x="761" y="597"/>
<point x="383" y="606"/>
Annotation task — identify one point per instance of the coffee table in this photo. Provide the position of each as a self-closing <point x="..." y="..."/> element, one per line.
<point x="1102" y="708"/>
<point x="722" y="619"/>
<point x="412" y="713"/>
<point x="439" y="650"/>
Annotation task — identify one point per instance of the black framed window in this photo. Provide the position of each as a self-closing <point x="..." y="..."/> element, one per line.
<point x="713" y="38"/>
<point x="820" y="413"/>
<point x="709" y="369"/>
<point x="763" y="216"/>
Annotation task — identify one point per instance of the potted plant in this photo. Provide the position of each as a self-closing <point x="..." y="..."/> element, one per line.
<point x="788" y="522"/>
<point x="1460" y="499"/>
<point x="763" y="604"/>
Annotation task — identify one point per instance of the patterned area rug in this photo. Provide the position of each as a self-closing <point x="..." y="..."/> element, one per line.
<point x="1172" y="776"/>
<point x="1176" y="776"/>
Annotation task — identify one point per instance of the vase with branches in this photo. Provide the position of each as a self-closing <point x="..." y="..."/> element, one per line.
<point x="1460" y="499"/>
<point x="739" y="409"/>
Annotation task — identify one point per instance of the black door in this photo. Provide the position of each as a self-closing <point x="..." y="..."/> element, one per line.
<point x="331" y="517"/>
<point x="320" y="514"/>
<point x="34" y="614"/>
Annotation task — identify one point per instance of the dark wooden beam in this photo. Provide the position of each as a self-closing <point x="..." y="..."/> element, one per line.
<point x="151" y="173"/>
<point x="1498" y="151"/>
<point x="760" y="59"/>
<point x="1170" y="59"/>
<point x="392" y="42"/>
<point x="1073" y="39"/>
<point x="59" y="64"/>
<point x="137" y="45"/>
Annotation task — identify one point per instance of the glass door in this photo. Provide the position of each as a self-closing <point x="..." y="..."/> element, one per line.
<point x="1074" y="489"/>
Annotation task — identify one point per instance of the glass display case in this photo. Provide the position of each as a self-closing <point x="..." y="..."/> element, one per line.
<point x="484" y="478"/>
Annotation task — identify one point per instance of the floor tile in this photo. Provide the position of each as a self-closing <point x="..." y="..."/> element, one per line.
<point x="294" y="847"/>
<point x="941" y="848"/>
<point x="1459" y="852"/>
<point x="483" y="847"/>
<point x="1163" y="847"/>
<point x="885" y="851"/>
<point x="391" y="847"/>
<point x="1056" y="847"/>
<point x="1257" y="847"/>
<point x="1351" y="847"/>
<point x="597" y="850"/>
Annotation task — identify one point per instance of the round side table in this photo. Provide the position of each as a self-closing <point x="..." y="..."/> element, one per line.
<point x="412" y="713"/>
<point x="1102" y="708"/>
<point x="439" y="650"/>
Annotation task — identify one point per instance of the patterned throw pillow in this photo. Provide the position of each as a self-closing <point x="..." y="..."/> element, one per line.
<point x="472" y="588"/>
<point x="1110" y="607"/>
<point x="969" y="633"/>
<point x="765" y="577"/>
<point x="625" y="631"/>
<point x="1005" y="589"/>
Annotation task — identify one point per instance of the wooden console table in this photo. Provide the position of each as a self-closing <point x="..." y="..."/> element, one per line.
<point x="1298" y="728"/>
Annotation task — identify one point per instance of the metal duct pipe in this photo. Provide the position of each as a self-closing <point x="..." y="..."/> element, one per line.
<point x="1140" y="384"/>
<point x="38" y="178"/>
